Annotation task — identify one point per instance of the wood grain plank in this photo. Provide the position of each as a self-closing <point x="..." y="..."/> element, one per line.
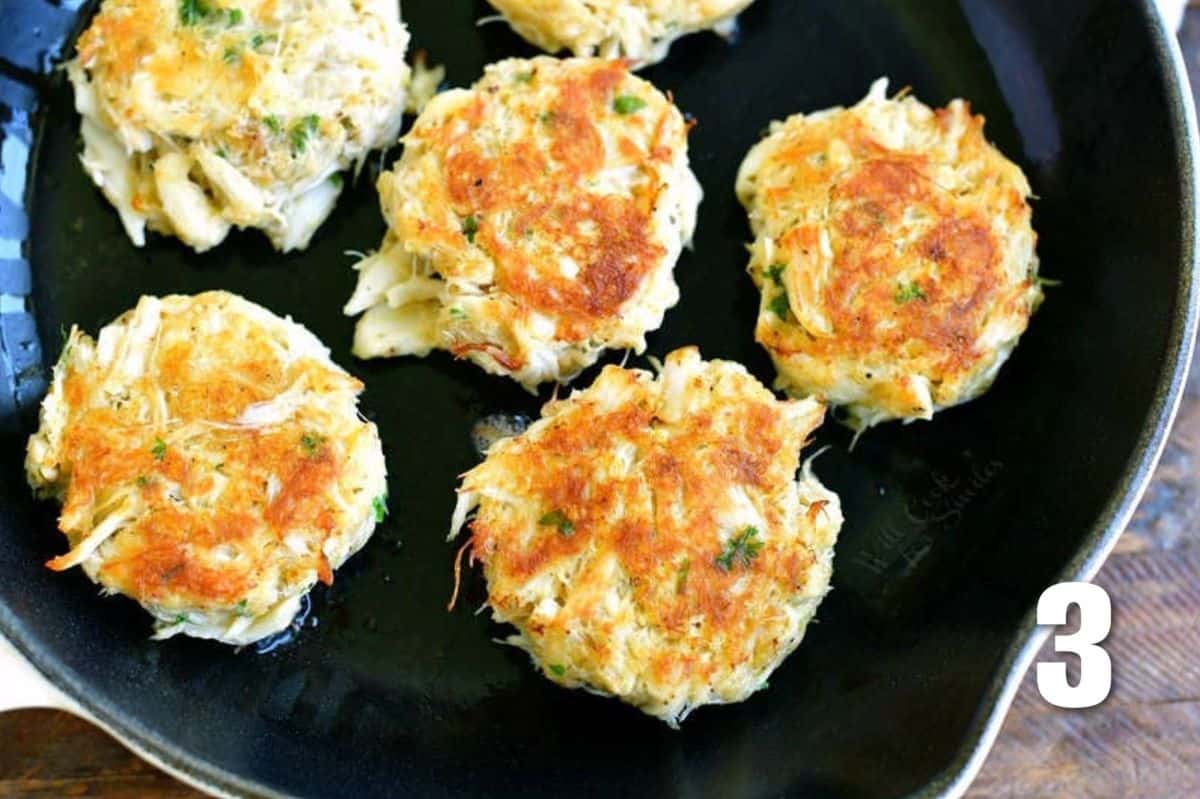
<point x="1110" y="752"/>
<point x="46" y="753"/>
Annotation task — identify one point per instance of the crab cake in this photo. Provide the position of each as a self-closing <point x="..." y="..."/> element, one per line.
<point x="649" y="538"/>
<point x="894" y="252"/>
<point x="639" y="30"/>
<point x="210" y="461"/>
<point x="200" y="115"/>
<point x="533" y="221"/>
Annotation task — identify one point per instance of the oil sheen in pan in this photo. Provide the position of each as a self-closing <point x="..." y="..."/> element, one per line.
<point x="496" y="426"/>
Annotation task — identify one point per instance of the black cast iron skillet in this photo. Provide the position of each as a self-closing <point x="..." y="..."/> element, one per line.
<point x="953" y="527"/>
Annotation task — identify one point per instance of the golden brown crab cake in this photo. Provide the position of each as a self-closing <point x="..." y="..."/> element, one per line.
<point x="210" y="461"/>
<point x="649" y="538"/>
<point x="639" y="30"/>
<point x="534" y="220"/>
<point x="895" y="255"/>
<point x="200" y="115"/>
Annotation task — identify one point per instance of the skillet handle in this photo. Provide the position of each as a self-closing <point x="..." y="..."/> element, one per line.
<point x="23" y="686"/>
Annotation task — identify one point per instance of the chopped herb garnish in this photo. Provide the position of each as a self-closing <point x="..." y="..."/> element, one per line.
<point x="775" y="273"/>
<point x="558" y="519"/>
<point x="558" y="669"/>
<point x="142" y="481"/>
<point x="301" y="131"/>
<point x="779" y="306"/>
<point x="681" y="577"/>
<point x="159" y="450"/>
<point x="740" y="550"/>
<point x="231" y="55"/>
<point x="311" y="443"/>
<point x="242" y="608"/>
<point x="221" y="151"/>
<point x="273" y="124"/>
<point x="628" y="104"/>
<point x="523" y="77"/>
<point x="379" y="504"/>
<point x="458" y="313"/>
<point x="336" y="180"/>
<point x="192" y="11"/>
<point x="220" y="467"/>
<point x="907" y="292"/>
<point x="546" y="117"/>
<point x="470" y="227"/>
<point x="235" y="16"/>
<point x="182" y="618"/>
<point x="256" y="41"/>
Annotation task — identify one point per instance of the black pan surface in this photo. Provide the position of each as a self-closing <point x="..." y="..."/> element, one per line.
<point x="953" y="527"/>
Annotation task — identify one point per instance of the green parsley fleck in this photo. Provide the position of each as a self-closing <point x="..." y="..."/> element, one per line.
<point x="182" y="618"/>
<point x="311" y="443"/>
<point x="273" y="124"/>
<point x="558" y="519"/>
<point x="231" y="55"/>
<point x="301" y="130"/>
<point x="379" y="504"/>
<point x="628" y="104"/>
<point x="220" y="467"/>
<point x="235" y="16"/>
<point x="681" y="577"/>
<point x="523" y="77"/>
<point x="546" y="117"/>
<point x="775" y="273"/>
<point x="242" y="608"/>
<point x="558" y="669"/>
<point x="458" y="313"/>
<point x="192" y="12"/>
<point x="909" y="292"/>
<point x="159" y="450"/>
<point x="740" y="550"/>
<point x="779" y="305"/>
<point x="336" y="180"/>
<point x="221" y="151"/>
<point x="470" y="227"/>
<point x="142" y="481"/>
<point x="256" y="41"/>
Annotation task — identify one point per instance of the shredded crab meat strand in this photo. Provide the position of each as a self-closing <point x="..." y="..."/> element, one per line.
<point x="112" y="524"/>
<point x="458" y="573"/>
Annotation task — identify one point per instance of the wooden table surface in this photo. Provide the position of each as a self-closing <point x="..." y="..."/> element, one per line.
<point x="1142" y="743"/>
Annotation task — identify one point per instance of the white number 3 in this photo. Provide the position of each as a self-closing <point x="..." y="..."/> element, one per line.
<point x="1095" y="620"/>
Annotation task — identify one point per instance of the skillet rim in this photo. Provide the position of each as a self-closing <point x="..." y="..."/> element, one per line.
<point x="954" y="780"/>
